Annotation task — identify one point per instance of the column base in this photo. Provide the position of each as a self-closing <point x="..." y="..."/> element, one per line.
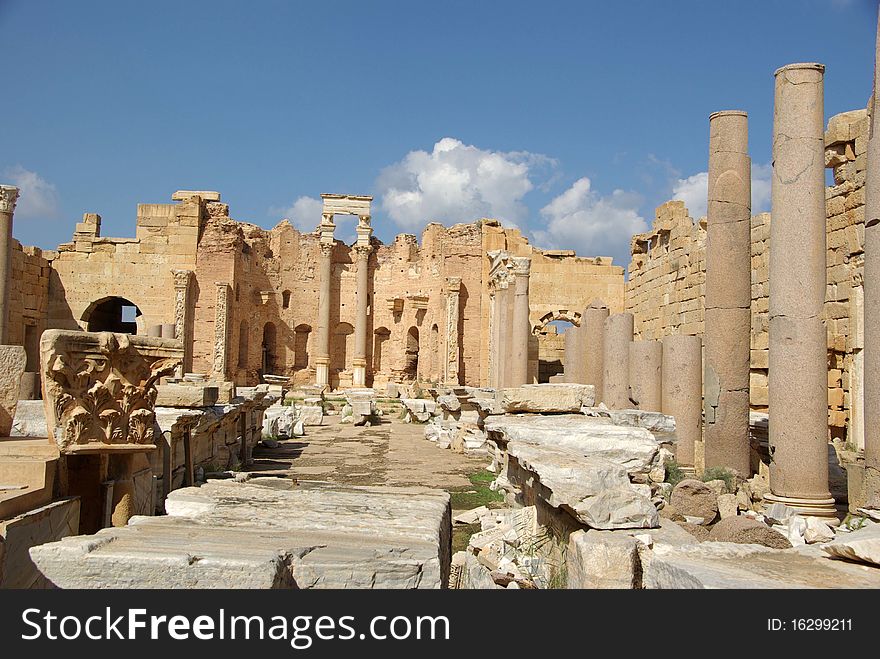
<point x="322" y="375"/>
<point x="822" y="508"/>
<point x="359" y="376"/>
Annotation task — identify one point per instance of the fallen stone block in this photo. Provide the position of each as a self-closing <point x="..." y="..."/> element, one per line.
<point x="606" y="561"/>
<point x="186" y="395"/>
<point x="862" y="545"/>
<point x="693" y="498"/>
<point x="267" y="533"/>
<point x="743" y="530"/>
<point x="547" y="398"/>
<point x="634" y="448"/>
<point x="729" y="565"/>
<point x="470" y="516"/>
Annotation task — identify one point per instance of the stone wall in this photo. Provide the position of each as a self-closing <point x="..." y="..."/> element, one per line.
<point x="29" y="300"/>
<point x="666" y="284"/>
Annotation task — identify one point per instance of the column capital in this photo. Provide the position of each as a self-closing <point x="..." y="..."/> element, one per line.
<point x="8" y="198"/>
<point x="181" y="278"/>
<point x="326" y="249"/>
<point x="521" y="265"/>
<point x="363" y="251"/>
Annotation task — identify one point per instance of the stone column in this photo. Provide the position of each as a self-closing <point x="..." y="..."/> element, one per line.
<point x="520" y="326"/>
<point x="872" y="295"/>
<point x="221" y="331"/>
<point x="683" y="392"/>
<point x="798" y="370"/>
<point x="618" y="335"/>
<point x="645" y="373"/>
<point x="568" y="356"/>
<point x="359" y="360"/>
<point x="593" y="348"/>
<point x="8" y="197"/>
<point x="322" y="336"/>
<point x="453" y="302"/>
<point x="728" y="293"/>
<point x="182" y="303"/>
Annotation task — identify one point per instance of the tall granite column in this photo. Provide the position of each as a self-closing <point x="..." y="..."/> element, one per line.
<point x="362" y="248"/>
<point x="8" y="197"/>
<point x="645" y="375"/>
<point x="593" y="340"/>
<point x="615" y="376"/>
<point x="872" y="295"/>
<point x="322" y="347"/>
<point x="683" y="392"/>
<point x="798" y="372"/>
<point x="520" y="325"/>
<point x="728" y="293"/>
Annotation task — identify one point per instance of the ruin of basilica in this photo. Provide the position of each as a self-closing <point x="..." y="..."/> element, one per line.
<point x="172" y="393"/>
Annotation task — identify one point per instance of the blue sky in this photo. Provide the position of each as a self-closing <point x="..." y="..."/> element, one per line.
<point x="571" y="120"/>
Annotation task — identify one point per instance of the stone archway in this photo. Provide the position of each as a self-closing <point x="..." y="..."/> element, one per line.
<point x="112" y="314"/>
<point x="547" y="347"/>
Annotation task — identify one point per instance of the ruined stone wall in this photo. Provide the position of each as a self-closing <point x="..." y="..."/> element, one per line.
<point x="561" y="286"/>
<point x="28" y="300"/>
<point x="667" y="273"/>
<point x="91" y="268"/>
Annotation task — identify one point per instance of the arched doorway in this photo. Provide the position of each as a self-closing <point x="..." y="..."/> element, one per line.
<point x="549" y="339"/>
<point x="269" y="349"/>
<point x="301" y="335"/>
<point x="112" y="314"/>
<point x="411" y="354"/>
<point x="341" y="348"/>
<point x="380" y="336"/>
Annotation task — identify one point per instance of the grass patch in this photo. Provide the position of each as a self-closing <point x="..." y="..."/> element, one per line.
<point x="461" y="535"/>
<point x="476" y="495"/>
<point x="674" y="473"/>
<point x="721" y="474"/>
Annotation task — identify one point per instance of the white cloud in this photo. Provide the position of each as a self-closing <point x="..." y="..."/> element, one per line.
<point x="457" y="182"/>
<point x="37" y="198"/>
<point x="582" y="220"/>
<point x="304" y="213"/>
<point x="694" y="191"/>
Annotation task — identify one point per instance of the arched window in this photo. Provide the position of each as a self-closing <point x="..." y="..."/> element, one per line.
<point x="411" y="357"/>
<point x="285" y="299"/>
<point x="301" y="346"/>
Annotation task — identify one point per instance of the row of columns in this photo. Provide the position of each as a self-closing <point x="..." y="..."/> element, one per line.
<point x="510" y="327"/>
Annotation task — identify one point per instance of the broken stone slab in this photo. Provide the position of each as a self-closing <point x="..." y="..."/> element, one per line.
<point x="634" y="448"/>
<point x="267" y="533"/>
<point x="653" y="421"/>
<point x="818" y="531"/>
<point x="474" y="576"/>
<point x="13" y="360"/>
<point x="743" y="530"/>
<point x="30" y="419"/>
<point x="727" y="506"/>
<point x="777" y="513"/>
<point x="693" y="498"/>
<point x="547" y="398"/>
<point x="471" y="516"/>
<point x="597" y="492"/>
<point x="449" y="402"/>
<point x="312" y="415"/>
<point x="186" y="395"/>
<point x="862" y="545"/>
<point x="608" y="561"/>
<point x="280" y="421"/>
<point x="729" y="565"/>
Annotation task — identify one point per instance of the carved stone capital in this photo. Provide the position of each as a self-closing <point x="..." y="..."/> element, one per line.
<point x="101" y="388"/>
<point x="326" y="249"/>
<point x="521" y="265"/>
<point x="363" y="252"/>
<point x="8" y="198"/>
<point x="181" y="278"/>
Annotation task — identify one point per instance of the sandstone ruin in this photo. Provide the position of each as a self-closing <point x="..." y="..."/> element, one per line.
<point x="707" y="420"/>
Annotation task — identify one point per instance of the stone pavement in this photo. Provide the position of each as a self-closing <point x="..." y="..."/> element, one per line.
<point x="388" y="453"/>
